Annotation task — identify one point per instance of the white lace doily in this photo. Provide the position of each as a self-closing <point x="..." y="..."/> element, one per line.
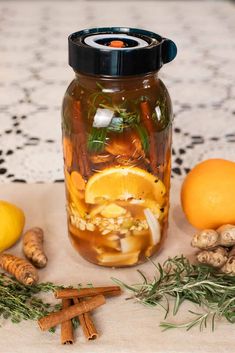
<point x="35" y="74"/>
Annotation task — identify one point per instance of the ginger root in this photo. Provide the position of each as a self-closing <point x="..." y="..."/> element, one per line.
<point x="206" y="239"/>
<point x="33" y="247"/>
<point x="216" y="257"/>
<point x="226" y="235"/>
<point x="210" y="238"/>
<point x="21" y="269"/>
<point x="214" y="244"/>
<point x="229" y="266"/>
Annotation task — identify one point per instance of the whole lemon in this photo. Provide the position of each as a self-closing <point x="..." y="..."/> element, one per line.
<point x="208" y="194"/>
<point x="12" y="222"/>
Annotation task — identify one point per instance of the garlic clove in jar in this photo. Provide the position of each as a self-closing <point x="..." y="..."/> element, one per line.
<point x="154" y="226"/>
<point x="131" y="243"/>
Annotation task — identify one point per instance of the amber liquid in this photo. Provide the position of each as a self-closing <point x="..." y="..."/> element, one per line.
<point x="120" y="218"/>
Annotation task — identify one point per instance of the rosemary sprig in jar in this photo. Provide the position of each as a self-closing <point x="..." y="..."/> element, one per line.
<point x="212" y="291"/>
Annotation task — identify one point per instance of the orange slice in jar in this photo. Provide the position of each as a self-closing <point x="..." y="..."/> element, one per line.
<point x="78" y="180"/>
<point x="123" y="183"/>
<point x="75" y="195"/>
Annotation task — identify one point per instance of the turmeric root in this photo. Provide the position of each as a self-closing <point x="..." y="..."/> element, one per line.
<point x="21" y="269"/>
<point x="33" y="248"/>
<point x="206" y="239"/>
<point x="216" y="257"/>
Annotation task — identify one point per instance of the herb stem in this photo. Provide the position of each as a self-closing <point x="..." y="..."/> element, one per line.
<point x="180" y="280"/>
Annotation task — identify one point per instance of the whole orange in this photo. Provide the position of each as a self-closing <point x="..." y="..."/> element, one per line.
<point x="208" y="194"/>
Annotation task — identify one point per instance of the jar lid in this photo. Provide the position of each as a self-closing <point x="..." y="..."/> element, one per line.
<point x="119" y="51"/>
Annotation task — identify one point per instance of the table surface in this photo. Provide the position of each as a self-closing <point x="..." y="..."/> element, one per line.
<point x="34" y="75"/>
<point x="124" y="325"/>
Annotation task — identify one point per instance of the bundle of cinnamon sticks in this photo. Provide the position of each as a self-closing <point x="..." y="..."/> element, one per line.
<point x="77" y="303"/>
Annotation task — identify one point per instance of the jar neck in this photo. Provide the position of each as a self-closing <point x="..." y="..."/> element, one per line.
<point x="117" y="83"/>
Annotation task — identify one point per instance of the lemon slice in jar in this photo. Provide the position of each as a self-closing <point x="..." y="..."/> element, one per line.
<point x="123" y="183"/>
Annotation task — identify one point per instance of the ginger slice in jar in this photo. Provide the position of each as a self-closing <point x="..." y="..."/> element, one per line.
<point x="121" y="259"/>
<point x="107" y="210"/>
<point x="113" y="211"/>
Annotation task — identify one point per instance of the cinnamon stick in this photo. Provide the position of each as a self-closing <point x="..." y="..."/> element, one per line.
<point x="53" y="319"/>
<point x="149" y="125"/>
<point x="66" y="330"/>
<point x="87" y="324"/>
<point x="110" y="291"/>
<point x="79" y="140"/>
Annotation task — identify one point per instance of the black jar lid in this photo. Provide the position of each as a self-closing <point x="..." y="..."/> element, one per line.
<point x="119" y="51"/>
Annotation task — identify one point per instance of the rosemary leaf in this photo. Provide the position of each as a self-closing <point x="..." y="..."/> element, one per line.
<point x="143" y="135"/>
<point x="96" y="139"/>
<point x="180" y="280"/>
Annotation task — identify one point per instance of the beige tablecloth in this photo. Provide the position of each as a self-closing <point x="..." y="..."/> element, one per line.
<point x="124" y="326"/>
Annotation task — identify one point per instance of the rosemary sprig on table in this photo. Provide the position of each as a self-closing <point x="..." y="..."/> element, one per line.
<point x="212" y="291"/>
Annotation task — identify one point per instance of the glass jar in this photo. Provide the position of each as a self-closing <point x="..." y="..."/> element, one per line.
<point x="117" y="122"/>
